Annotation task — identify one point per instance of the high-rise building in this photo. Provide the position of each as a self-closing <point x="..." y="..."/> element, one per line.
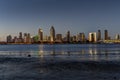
<point x="92" y="37"/>
<point x="20" y="35"/>
<point x="52" y="34"/>
<point x="40" y="35"/>
<point x="9" y="39"/>
<point x="106" y="35"/>
<point x="25" y="37"/>
<point x="59" y="37"/>
<point x="117" y="37"/>
<point x="99" y="35"/>
<point x="15" y="39"/>
<point x="46" y="38"/>
<point x="74" y="39"/>
<point x="80" y="37"/>
<point x="28" y="38"/>
<point x="20" y="39"/>
<point x="68" y="36"/>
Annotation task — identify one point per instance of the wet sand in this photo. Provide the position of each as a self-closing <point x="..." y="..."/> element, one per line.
<point x="48" y="69"/>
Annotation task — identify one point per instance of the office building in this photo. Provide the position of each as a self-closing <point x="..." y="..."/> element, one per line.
<point x="52" y="34"/>
<point x="20" y="35"/>
<point x="40" y="35"/>
<point x="99" y="35"/>
<point x="28" y="38"/>
<point x="59" y="37"/>
<point x="9" y="39"/>
<point x="74" y="39"/>
<point x="92" y="37"/>
<point x="68" y="36"/>
<point x="15" y="39"/>
<point x="82" y="37"/>
<point x="20" y="39"/>
<point x="117" y="37"/>
<point x="106" y="35"/>
<point x="25" y="38"/>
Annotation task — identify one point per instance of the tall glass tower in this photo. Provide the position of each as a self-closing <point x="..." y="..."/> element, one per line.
<point x="52" y="34"/>
<point x="20" y="35"/>
<point x="40" y="34"/>
<point x="99" y="35"/>
<point x="106" y="35"/>
<point x="68" y="36"/>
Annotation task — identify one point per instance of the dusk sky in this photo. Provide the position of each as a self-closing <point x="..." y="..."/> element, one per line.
<point x="74" y="15"/>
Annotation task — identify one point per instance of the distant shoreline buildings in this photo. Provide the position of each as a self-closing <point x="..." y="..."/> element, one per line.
<point x="93" y="37"/>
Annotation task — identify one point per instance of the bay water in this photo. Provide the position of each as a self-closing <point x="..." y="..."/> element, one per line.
<point x="60" y="62"/>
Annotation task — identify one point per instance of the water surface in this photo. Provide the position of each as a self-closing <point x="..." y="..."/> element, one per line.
<point x="64" y="51"/>
<point x="60" y="62"/>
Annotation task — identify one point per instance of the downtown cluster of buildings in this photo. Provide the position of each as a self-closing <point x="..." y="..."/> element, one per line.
<point x="93" y="37"/>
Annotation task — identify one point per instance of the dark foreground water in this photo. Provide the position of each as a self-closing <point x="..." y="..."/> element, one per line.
<point x="60" y="62"/>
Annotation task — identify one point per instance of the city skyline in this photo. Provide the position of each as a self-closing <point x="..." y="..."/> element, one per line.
<point x="53" y="37"/>
<point x="73" y="15"/>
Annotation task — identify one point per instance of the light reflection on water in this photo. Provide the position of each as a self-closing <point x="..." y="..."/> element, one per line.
<point x="66" y="51"/>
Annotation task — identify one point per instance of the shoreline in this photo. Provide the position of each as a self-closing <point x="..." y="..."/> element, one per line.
<point x="50" y="43"/>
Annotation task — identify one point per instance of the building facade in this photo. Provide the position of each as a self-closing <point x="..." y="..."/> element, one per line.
<point x="9" y="39"/>
<point x="52" y="34"/>
<point x="106" y="37"/>
<point x="92" y="37"/>
<point x="117" y="37"/>
<point x="59" y="37"/>
<point x="68" y="36"/>
<point x="40" y="35"/>
<point x="99" y="35"/>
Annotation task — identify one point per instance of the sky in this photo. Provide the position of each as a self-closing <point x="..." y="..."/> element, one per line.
<point x="74" y="15"/>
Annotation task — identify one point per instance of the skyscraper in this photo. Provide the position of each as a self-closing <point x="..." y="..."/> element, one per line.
<point x="28" y="38"/>
<point x="106" y="35"/>
<point x="68" y="36"/>
<point x="9" y="39"/>
<point x="59" y="37"/>
<point x="99" y="35"/>
<point x="25" y="37"/>
<point x="82" y="37"/>
<point x="117" y="37"/>
<point x="15" y="39"/>
<point x="20" y="39"/>
<point x="20" y="35"/>
<point x="52" y="34"/>
<point x="92" y="37"/>
<point x="74" y="38"/>
<point x="40" y="35"/>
